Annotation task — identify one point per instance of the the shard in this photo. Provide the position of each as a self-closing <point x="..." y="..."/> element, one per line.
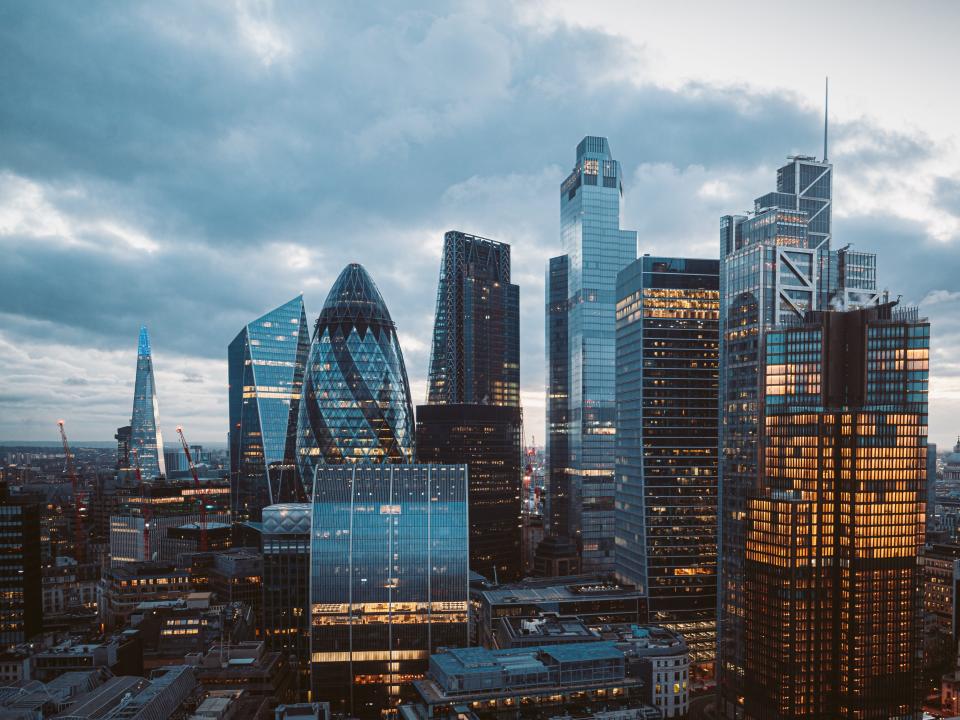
<point x="356" y="398"/>
<point x="145" y="438"/>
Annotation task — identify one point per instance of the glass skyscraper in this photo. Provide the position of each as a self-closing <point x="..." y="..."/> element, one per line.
<point x="835" y="527"/>
<point x="668" y="317"/>
<point x="473" y="415"/>
<point x="389" y="579"/>
<point x="145" y="438"/>
<point x="285" y="538"/>
<point x="595" y="250"/>
<point x="475" y="356"/>
<point x="356" y="403"/>
<point x="266" y="362"/>
<point x="775" y="265"/>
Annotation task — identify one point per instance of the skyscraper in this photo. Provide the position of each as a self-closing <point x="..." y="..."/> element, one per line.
<point x="389" y="579"/>
<point x="487" y="439"/>
<point x="835" y="526"/>
<point x="595" y="250"/>
<point x="668" y="312"/>
<point x="475" y="357"/>
<point x="356" y="398"/>
<point x="266" y="362"/>
<point x="774" y="266"/>
<point x="558" y="400"/>
<point x="473" y="415"/>
<point x="145" y="437"/>
<point x="21" y="609"/>
<point x="285" y="538"/>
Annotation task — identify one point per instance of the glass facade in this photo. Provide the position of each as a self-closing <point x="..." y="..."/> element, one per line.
<point x="21" y="592"/>
<point x="266" y="362"/>
<point x="285" y="538"/>
<point x="145" y="438"/>
<point x="356" y="405"/>
<point x="558" y="400"/>
<point x="835" y="529"/>
<point x="476" y="335"/>
<point x="487" y="439"/>
<point x="667" y="379"/>
<point x="596" y="249"/>
<point x="389" y="579"/>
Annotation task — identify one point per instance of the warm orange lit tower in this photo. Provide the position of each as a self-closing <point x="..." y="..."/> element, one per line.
<point x="837" y="524"/>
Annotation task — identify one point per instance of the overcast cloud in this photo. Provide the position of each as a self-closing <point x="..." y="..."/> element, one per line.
<point x="191" y="165"/>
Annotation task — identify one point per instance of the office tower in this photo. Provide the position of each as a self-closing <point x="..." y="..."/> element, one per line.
<point x="123" y="451"/>
<point x="667" y="367"/>
<point x="475" y="357"/>
<point x="774" y="266"/>
<point x="388" y="581"/>
<point x="265" y="362"/>
<point x="286" y="585"/>
<point x="145" y="438"/>
<point x="835" y="526"/>
<point x="21" y="591"/>
<point x="487" y="439"/>
<point x="473" y="415"/>
<point x="595" y="250"/>
<point x="931" y="486"/>
<point x="557" y="505"/>
<point x="356" y="398"/>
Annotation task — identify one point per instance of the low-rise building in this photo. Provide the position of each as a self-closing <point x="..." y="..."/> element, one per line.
<point x="124" y="587"/>
<point x="246" y="665"/>
<point x="661" y="657"/>
<point x="596" y="600"/>
<point x="575" y="679"/>
<point x="122" y="654"/>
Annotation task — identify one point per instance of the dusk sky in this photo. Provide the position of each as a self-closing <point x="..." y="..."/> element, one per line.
<point x="191" y="165"/>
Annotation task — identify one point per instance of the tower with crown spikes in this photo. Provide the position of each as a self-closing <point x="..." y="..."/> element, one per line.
<point x="145" y="437"/>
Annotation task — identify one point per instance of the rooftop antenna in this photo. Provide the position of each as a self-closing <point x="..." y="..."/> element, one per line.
<point x="826" y="112"/>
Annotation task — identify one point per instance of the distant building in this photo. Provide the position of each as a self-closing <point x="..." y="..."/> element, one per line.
<point x="356" y="403"/>
<point x="123" y="450"/>
<point x="833" y="534"/>
<point x="266" y="362"/>
<point x="21" y="588"/>
<point x="168" y="537"/>
<point x="146" y="440"/>
<point x="286" y="585"/>
<point x="667" y="379"/>
<point x="388" y="583"/>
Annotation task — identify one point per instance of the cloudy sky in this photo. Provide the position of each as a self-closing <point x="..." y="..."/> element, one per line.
<point x="191" y="165"/>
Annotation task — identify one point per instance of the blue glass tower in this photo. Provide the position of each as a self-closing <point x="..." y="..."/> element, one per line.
<point x="145" y="438"/>
<point x="266" y="362"/>
<point x="596" y="250"/>
<point x="389" y="574"/>
<point x="356" y="398"/>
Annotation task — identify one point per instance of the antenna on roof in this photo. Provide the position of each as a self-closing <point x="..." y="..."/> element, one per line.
<point x="826" y="112"/>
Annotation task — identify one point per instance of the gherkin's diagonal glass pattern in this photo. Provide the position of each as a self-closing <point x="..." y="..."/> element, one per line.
<point x="266" y="364"/>
<point x="145" y="437"/>
<point x="357" y="405"/>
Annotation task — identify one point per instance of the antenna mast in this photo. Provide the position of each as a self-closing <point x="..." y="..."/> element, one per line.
<point x="826" y="113"/>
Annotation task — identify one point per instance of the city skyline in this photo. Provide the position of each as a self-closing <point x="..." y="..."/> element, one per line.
<point x="896" y="193"/>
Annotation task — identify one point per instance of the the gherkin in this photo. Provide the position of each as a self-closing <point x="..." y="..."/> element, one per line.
<point x="356" y="398"/>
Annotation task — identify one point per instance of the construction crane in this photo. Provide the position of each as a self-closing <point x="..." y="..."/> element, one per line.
<point x="78" y="535"/>
<point x="145" y="509"/>
<point x="196" y="485"/>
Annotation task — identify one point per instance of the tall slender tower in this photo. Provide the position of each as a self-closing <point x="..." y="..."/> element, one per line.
<point x="145" y="437"/>
<point x="596" y="249"/>
<point x="266" y="361"/>
<point x="473" y="413"/>
<point x="668" y="312"/>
